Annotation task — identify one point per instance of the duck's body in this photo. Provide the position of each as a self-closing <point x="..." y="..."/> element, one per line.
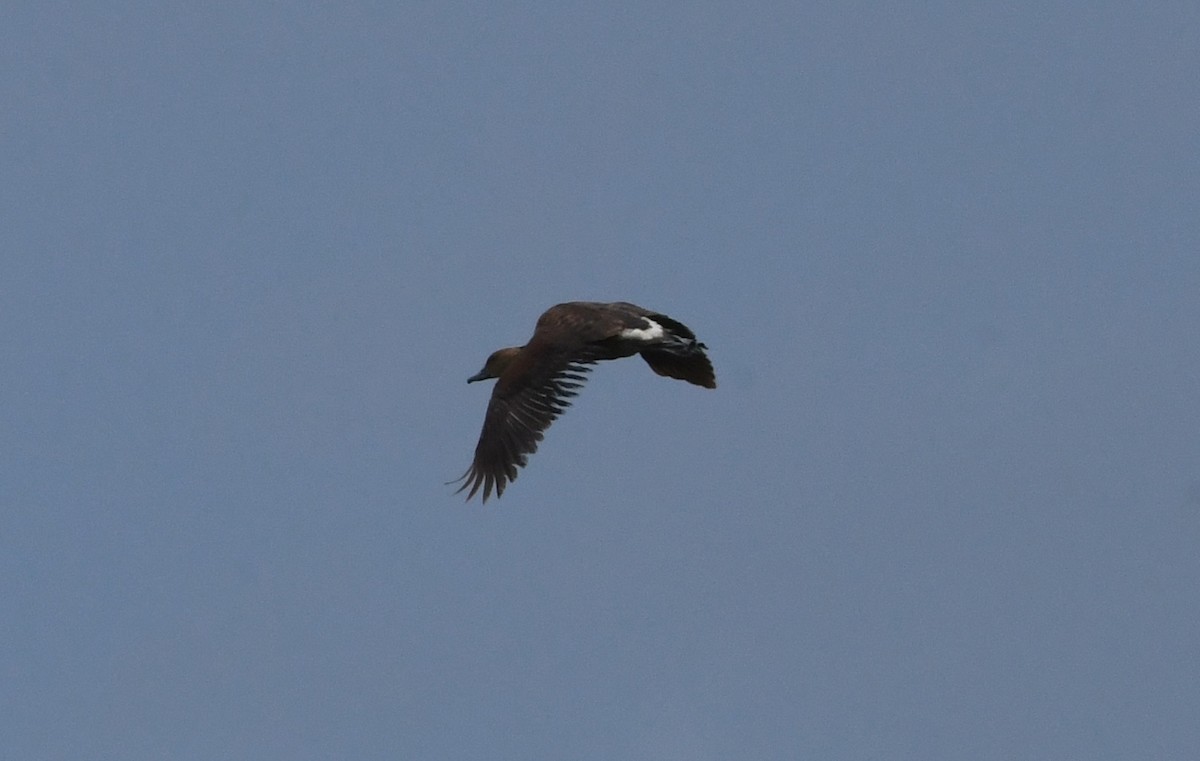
<point x="535" y="382"/>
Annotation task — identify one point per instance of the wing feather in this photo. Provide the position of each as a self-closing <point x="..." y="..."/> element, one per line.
<point x="520" y="411"/>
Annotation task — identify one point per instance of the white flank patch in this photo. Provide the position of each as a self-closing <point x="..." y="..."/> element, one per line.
<point x="652" y="333"/>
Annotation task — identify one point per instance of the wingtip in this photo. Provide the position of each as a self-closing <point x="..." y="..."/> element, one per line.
<point x="475" y="482"/>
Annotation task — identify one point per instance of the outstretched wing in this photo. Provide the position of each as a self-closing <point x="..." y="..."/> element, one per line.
<point x="524" y="403"/>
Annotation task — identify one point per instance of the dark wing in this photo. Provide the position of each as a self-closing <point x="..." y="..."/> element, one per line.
<point x="525" y="401"/>
<point x="684" y="360"/>
<point x="690" y="364"/>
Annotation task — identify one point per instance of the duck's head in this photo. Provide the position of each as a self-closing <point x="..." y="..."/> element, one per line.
<point x="496" y="364"/>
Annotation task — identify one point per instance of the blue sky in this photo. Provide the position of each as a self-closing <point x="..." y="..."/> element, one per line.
<point x="945" y="503"/>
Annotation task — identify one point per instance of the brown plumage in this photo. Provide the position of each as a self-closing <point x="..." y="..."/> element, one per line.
<point x="535" y="382"/>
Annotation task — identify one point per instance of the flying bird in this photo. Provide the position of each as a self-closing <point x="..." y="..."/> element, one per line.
<point x="535" y="382"/>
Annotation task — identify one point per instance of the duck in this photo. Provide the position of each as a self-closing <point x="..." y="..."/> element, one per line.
<point x="536" y="382"/>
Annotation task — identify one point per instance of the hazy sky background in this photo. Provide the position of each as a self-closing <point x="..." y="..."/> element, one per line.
<point x="945" y="503"/>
